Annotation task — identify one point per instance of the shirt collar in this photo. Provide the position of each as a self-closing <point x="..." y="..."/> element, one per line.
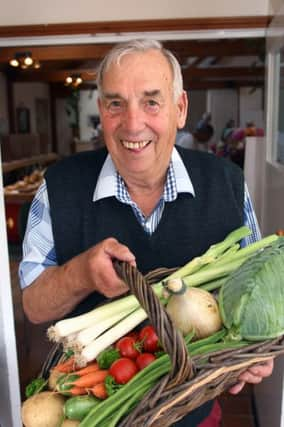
<point x="106" y="184"/>
<point x="183" y="181"/>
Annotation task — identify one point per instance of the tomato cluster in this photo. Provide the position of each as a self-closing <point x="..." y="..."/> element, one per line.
<point x="137" y="350"/>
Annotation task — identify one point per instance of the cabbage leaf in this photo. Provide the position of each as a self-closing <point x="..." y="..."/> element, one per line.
<point x="251" y="301"/>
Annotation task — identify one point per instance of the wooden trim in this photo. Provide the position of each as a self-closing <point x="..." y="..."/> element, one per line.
<point x="180" y="24"/>
<point x="191" y="73"/>
<point x="97" y="51"/>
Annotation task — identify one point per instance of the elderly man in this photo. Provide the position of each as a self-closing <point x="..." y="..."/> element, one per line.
<point x="142" y="200"/>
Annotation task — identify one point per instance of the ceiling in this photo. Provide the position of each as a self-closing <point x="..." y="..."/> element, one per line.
<point x="222" y="63"/>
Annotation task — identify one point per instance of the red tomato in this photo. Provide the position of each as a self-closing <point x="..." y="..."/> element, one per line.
<point x="144" y="359"/>
<point x="133" y="334"/>
<point x="149" y="339"/>
<point x="122" y="370"/>
<point x="127" y="347"/>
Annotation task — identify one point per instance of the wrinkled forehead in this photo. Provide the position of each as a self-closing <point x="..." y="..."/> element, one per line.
<point x="130" y="59"/>
<point x="139" y="79"/>
<point x="131" y="54"/>
<point x="136" y="67"/>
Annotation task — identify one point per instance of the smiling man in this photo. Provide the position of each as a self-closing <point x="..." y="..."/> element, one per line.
<point x="140" y="114"/>
<point x="140" y="200"/>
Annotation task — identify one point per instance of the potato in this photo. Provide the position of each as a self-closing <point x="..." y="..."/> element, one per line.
<point x="43" y="409"/>
<point x="70" y="423"/>
<point x="53" y="377"/>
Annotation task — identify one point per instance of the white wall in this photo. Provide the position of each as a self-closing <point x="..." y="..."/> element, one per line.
<point x="53" y="11"/>
<point x="254" y="170"/>
<point x="273" y="218"/>
<point x="251" y="106"/>
<point x="274" y="6"/>
<point x="223" y="105"/>
<point x="87" y="106"/>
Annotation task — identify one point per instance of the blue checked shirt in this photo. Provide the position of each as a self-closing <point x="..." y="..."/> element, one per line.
<point x="38" y="245"/>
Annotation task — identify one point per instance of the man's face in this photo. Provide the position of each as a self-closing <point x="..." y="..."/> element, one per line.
<point x="138" y="114"/>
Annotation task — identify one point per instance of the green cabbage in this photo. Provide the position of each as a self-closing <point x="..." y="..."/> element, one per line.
<point x="251" y="301"/>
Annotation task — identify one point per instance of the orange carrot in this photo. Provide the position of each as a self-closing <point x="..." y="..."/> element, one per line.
<point x="99" y="391"/>
<point x="92" y="367"/>
<point x="67" y="366"/>
<point x="91" y="379"/>
<point x="77" y="391"/>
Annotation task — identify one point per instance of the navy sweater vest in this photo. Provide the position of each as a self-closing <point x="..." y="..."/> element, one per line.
<point x="187" y="228"/>
<point x="188" y="225"/>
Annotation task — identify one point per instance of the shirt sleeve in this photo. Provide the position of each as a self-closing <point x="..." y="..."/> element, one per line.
<point x="38" y="243"/>
<point x="250" y="220"/>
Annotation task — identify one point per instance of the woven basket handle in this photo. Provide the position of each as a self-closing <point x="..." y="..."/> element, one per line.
<point x="170" y="338"/>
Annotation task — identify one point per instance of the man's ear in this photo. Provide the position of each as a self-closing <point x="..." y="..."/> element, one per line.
<point x="182" y="106"/>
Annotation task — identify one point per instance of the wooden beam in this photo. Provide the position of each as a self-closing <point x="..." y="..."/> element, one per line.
<point x="190" y="85"/>
<point x="52" y="76"/>
<point x="232" y="72"/>
<point x="136" y="26"/>
<point x="182" y="48"/>
<point x="230" y="47"/>
<point x="55" y="53"/>
<point x="189" y="73"/>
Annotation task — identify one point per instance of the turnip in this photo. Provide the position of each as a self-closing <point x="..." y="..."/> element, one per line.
<point x="193" y="309"/>
<point x="43" y="409"/>
<point x="70" y="423"/>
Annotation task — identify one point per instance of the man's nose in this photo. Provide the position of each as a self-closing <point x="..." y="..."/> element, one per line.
<point x="133" y="119"/>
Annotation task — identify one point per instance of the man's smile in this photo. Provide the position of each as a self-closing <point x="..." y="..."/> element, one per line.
<point x="135" y="145"/>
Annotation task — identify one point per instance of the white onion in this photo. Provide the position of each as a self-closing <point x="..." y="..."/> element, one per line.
<point x="195" y="309"/>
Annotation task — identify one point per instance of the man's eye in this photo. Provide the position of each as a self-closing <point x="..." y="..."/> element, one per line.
<point x="114" y="104"/>
<point x="152" y="105"/>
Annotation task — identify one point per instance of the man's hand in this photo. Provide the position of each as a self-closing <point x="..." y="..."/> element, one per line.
<point x="99" y="273"/>
<point x="253" y="375"/>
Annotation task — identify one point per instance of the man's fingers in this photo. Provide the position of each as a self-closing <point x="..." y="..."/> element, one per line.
<point x="253" y="375"/>
<point x="263" y="369"/>
<point x="102" y="272"/>
<point x="114" y="249"/>
<point x="237" y="388"/>
<point x="256" y="373"/>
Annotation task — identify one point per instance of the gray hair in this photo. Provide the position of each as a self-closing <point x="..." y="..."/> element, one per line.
<point x="143" y="45"/>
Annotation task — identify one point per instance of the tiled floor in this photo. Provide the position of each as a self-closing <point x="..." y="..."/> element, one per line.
<point x="33" y="346"/>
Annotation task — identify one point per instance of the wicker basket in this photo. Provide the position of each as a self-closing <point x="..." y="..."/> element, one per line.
<point x="191" y="382"/>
